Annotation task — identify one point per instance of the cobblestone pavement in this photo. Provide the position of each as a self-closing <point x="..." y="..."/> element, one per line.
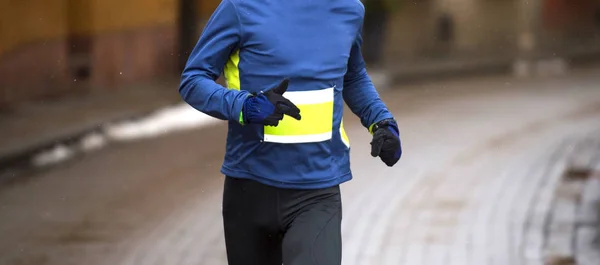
<point x="482" y="161"/>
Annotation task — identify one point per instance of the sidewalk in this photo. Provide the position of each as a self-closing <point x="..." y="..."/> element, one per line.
<point x="36" y="126"/>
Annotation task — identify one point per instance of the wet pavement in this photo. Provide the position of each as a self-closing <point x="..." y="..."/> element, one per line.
<point x="482" y="160"/>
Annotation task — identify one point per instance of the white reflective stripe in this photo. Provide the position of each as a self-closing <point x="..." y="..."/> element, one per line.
<point x="294" y="139"/>
<point x="310" y="97"/>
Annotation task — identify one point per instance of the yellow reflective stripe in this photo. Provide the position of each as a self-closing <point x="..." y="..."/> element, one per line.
<point x="316" y="119"/>
<point x="345" y="138"/>
<point x="232" y="75"/>
<point x="316" y="108"/>
<point x="232" y="71"/>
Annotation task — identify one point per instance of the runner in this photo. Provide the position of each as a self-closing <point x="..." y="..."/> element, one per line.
<point x="289" y="67"/>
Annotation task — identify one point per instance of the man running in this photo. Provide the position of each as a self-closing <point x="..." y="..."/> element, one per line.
<point x="289" y="66"/>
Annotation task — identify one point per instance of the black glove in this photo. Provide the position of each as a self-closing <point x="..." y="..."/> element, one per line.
<point x="386" y="142"/>
<point x="268" y="107"/>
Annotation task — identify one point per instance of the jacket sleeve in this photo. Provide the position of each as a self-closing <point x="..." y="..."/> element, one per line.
<point x="359" y="92"/>
<point x="220" y="37"/>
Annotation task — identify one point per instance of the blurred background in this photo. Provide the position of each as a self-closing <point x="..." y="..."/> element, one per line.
<point x="498" y="103"/>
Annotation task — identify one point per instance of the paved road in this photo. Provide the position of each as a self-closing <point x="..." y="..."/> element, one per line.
<point x="472" y="189"/>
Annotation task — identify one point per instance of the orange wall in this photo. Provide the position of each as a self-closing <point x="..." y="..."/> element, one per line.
<point x="26" y="21"/>
<point x="117" y="15"/>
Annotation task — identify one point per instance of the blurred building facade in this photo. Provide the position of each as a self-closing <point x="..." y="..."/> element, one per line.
<point x="68" y="46"/>
<point x="55" y="47"/>
<point x="437" y="29"/>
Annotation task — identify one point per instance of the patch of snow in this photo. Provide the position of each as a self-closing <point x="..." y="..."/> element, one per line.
<point x="56" y="155"/>
<point x="163" y="121"/>
<point x="93" y="142"/>
<point x="176" y="118"/>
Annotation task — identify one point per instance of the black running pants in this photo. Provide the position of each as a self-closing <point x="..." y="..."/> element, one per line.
<point x="265" y="225"/>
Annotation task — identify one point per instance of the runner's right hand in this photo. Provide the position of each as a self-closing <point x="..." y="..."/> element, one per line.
<point x="268" y="107"/>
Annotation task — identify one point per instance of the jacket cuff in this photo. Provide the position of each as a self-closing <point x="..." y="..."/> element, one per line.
<point x="239" y="107"/>
<point x="383" y="123"/>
